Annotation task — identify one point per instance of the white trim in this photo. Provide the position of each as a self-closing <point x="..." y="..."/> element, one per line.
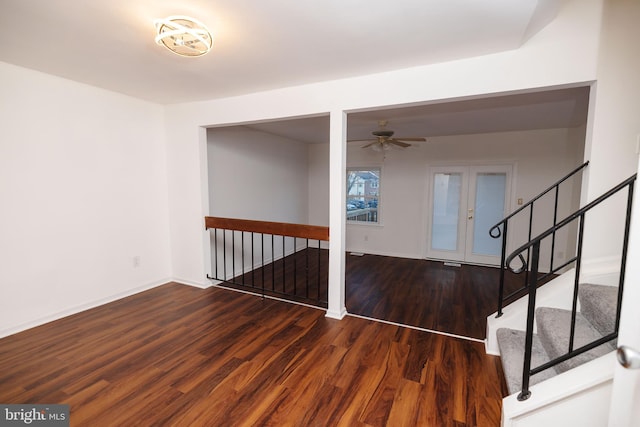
<point x="338" y="315"/>
<point x="490" y="350"/>
<point x="82" y="307"/>
<point x="255" y="294"/>
<point x="601" y="266"/>
<point x="364" y="224"/>
<point x="468" y="171"/>
<point x="201" y="285"/>
<point x="337" y="212"/>
<point x="582" y="387"/>
<point x="203" y="147"/>
<point x="359" y="167"/>
<point x="415" y="256"/>
<point x="475" y="264"/>
<point x="417" y="328"/>
<point x="384" y="253"/>
<point x="463" y="171"/>
<point x="341" y="315"/>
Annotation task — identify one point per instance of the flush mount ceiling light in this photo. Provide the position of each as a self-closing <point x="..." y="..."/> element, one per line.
<point x="183" y="35"/>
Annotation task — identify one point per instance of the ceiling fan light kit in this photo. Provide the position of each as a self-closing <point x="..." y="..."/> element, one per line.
<point x="183" y="35"/>
<point x="381" y="147"/>
<point x="383" y="139"/>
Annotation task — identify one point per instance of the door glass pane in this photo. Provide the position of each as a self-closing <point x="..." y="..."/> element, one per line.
<point x="489" y="209"/>
<point x="446" y="206"/>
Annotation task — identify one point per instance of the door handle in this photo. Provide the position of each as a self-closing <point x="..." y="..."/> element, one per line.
<point x="628" y="357"/>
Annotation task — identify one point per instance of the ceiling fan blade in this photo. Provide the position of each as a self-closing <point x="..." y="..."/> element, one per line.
<point x="370" y="144"/>
<point x="361" y="140"/>
<point x="399" y="143"/>
<point x="410" y="139"/>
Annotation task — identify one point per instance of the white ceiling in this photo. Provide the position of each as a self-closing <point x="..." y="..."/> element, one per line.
<point x="259" y="44"/>
<point x="262" y="45"/>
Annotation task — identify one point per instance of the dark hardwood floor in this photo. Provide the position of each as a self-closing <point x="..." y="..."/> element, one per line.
<point x="300" y="277"/>
<point x="426" y="294"/>
<point x="178" y="355"/>
<point x="415" y="292"/>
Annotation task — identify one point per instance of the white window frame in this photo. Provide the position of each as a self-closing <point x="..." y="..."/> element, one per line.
<point x="378" y="170"/>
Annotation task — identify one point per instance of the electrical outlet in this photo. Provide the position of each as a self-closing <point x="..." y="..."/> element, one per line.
<point x="136" y="261"/>
<point x="366" y="238"/>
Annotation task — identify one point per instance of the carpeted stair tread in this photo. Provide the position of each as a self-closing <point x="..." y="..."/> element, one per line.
<point x="511" y="345"/>
<point x="554" y="329"/>
<point x="598" y="304"/>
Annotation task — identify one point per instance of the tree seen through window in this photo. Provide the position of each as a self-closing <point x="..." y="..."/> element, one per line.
<point x="363" y="195"/>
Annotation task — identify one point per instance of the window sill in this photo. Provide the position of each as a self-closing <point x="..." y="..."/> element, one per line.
<point x="365" y="224"/>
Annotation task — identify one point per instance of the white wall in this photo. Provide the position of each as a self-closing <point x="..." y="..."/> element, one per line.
<point x="83" y="192"/>
<point x="258" y="176"/>
<point x="255" y="175"/>
<point x="614" y="129"/>
<point x="539" y="157"/>
<point x="564" y="53"/>
<point x="618" y="122"/>
<point x="318" y="162"/>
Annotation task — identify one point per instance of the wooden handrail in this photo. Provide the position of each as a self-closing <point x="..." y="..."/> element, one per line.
<point x="303" y="231"/>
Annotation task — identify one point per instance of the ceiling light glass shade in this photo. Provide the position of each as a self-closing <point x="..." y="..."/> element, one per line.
<point x="384" y="146"/>
<point x="183" y="35"/>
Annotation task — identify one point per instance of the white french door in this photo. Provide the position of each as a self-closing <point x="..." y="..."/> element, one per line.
<point x="465" y="202"/>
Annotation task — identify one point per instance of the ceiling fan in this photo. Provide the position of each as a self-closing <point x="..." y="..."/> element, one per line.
<point x="383" y="139"/>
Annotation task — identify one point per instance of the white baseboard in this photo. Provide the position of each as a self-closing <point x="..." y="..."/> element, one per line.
<point x="339" y="315"/>
<point x="591" y="269"/>
<point x="385" y="253"/>
<point x="201" y="285"/>
<point x="80" y="308"/>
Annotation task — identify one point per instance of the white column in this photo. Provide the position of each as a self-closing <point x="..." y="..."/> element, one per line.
<point x="337" y="213"/>
<point x="206" y="206"/>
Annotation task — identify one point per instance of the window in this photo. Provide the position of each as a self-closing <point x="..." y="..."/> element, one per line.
<point x="363" y="185"/>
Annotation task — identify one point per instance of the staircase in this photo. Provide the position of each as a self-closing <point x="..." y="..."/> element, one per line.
<point x="596" y="320"/>
<point x="560" y="339"/>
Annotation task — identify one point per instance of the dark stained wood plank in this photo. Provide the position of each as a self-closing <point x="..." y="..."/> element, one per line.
<point x="379" y="406"/>
<point x="303" y="231"/>
<point x="426" y="294"/>
<point x="183" y="356"/>
<point x="406" y="406"/>
<point x="300" y="277"/>
<point x="413" y="292"/>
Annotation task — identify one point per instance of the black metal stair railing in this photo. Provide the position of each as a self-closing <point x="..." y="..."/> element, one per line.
<point x="271" y="258"/>
<point x="533" y="280"/>
<point x="500" y="230"/>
